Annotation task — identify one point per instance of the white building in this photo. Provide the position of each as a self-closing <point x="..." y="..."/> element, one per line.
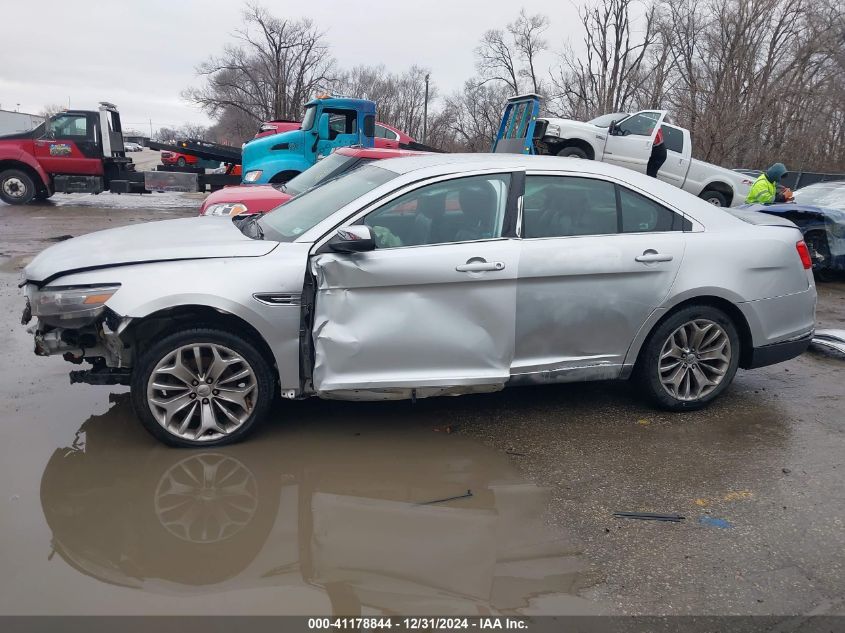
<point x="15" y="122"/>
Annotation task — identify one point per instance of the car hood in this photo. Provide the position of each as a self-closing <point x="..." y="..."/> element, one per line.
<point x="579" y="125"/>
<point x="167" y="240"/>
<point x="257" y="148"/>
<point x="257" y="198"/>
<point x="837" y="216"/>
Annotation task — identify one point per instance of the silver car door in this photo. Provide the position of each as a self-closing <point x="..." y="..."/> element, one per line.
<point x="432" y="307"/>
<point x="585" y="286"/>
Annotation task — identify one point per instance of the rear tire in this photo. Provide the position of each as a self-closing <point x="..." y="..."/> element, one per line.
<point x="16" y="187"/>
<point x="716" y="198"/>
<point x="215" y="400"/>
<point x="689" y="359"/>
<point x="572" y="151"/>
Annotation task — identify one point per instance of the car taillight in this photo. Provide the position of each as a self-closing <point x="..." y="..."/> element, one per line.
<point x="804" y="254"/>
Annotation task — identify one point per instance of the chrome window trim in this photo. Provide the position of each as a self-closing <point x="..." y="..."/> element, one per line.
<point x="408" y="188"/>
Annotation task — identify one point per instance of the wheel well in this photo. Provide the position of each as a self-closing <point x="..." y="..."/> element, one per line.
<point x="158" y="324"/>
<point x="722" y="188"/>
<point x="14" y="164"/>
<point x="735" y="314"/>
<point x="575" y="142"/>
<point x="284" y="176"/>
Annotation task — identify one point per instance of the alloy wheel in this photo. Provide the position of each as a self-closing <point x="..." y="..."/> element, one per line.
<point x="206" y="498"/>
<point x="694" y="359"/>
<point x="202" y="392"/>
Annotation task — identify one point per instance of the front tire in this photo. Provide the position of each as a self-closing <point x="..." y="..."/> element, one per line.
<point x="181" y="162"/>
<point x="202" y="387"/>
<point x="689" y="359"/>
<point x="16" y="187"/>
<point x="573" y="152"/>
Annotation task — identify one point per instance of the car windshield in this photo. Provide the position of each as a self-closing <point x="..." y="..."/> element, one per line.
<point x="332" y="165"/>
<point x="606" y="119"/>
<point x="308" y="119"/>
<point x="822" y="195"/>
<point x="306" y="211"/>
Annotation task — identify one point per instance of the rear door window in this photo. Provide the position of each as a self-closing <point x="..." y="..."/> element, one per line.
<point x="562" y="206"/>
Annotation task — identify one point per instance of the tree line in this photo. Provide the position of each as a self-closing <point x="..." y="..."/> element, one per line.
<point x="754" y="81"/>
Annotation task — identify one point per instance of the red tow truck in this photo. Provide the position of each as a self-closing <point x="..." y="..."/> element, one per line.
<point x="81" y="151"/>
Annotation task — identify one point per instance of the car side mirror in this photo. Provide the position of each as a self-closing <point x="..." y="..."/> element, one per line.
<point x="352" y="239"/>
<point x="323" y="127"/>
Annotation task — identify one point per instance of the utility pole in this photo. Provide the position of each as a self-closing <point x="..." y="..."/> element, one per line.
<point x="151" y="129"/>
<point x="425" y="111"/>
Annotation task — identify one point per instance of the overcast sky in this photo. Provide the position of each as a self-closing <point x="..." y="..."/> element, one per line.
<point x="140" y="55"/>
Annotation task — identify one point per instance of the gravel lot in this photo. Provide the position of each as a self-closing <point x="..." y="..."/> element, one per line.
<point x="318" y="512"/>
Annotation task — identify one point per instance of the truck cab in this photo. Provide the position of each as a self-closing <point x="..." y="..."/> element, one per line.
<point x="72" y="151"/>
<point x="329" y="122"/>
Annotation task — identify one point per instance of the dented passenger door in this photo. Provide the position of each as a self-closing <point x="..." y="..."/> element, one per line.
<point x="432" y="309"/>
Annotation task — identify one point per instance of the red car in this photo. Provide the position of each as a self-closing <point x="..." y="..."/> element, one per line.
<point x="251" y="199"/>
<point x="276" y="126"/>
<point x="174" y="158"/>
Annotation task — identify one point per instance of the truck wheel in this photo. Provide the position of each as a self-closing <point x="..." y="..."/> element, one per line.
<point x="181" y="161"/>
<point x="202" y="387"/>
<point x="716" y="198"/>
<point x="572" y="152"/>
<point x="16" y="187"/>
<point x="689" y="359"/>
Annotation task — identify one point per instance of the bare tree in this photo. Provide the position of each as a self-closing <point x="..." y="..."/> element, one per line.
<point x="274" y="68"/>
<point x="50" y="109"/>
<point x="186" y="131"/>
<point x="527" y="32"/>
<point x="474" y="115"/>
<point x="756" y="80"/>
<point x="609" y="75"/>
<point x="400" y="96"/>
<point x="508" y="55"/>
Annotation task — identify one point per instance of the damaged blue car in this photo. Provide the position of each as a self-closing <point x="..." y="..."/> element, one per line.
<point x="819" y="211"/>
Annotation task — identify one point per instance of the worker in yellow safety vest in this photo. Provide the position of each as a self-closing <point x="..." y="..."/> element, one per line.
<point x="765" y="188"/>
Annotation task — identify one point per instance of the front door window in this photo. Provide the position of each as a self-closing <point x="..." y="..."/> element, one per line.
<point x="460" y="210"/>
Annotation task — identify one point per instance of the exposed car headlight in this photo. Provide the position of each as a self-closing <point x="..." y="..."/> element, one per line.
<point x="226" y="208"/>
<point x="552" y="129"/>
<point x="70" y="307"/>
<point x="252" y="176"/>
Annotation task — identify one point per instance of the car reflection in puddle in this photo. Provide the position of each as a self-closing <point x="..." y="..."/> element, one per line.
<point x="344" y="512"/>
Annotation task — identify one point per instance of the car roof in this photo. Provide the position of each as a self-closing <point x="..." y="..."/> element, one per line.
<point x="433" y="165"/>
<point x="452" y="163"/>
<point x="378" y="153"/>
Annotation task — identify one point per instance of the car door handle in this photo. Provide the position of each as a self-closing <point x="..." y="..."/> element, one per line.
<point x="650" y="256"/>
<point x="479" y="266"/>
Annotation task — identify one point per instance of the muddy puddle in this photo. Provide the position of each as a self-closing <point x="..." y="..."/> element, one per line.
<point x="346" y="511"/>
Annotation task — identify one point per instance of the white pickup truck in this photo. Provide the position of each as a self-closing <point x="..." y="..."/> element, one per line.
<point x="621" y="139"/>
<point x="626" y="140"/>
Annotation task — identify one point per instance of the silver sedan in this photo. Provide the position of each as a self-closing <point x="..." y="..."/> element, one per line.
<point x="424" y="276"/>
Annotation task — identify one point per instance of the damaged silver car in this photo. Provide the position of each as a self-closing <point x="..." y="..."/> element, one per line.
<point x="425" y="276"/>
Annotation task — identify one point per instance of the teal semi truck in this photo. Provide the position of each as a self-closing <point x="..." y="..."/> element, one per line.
<point x="328" y="123"/>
